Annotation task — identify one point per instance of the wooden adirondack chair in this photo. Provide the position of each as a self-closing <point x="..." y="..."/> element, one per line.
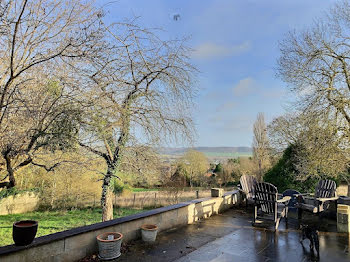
<point x="320" y="201"/>
<point x="267" y="201"/>
<point x="248" y="184"/>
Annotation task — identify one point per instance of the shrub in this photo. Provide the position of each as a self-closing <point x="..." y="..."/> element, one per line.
<point x="14" y="191"/>
<point x="119" y="187"/>
<point x="68" y="186"/>
<point x="284" y="175"/>
<point x="218" y="168"/>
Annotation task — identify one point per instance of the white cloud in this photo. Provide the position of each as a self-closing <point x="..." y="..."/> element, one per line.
<point x="245" y="86"/>
<point x="212" y="50"/>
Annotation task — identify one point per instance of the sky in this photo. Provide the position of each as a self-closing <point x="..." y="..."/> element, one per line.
<point x="235" y="45"/>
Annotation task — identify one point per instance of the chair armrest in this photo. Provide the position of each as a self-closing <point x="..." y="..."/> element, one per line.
<point x="309" y="197"/>
<point x="304" y="194"/>
<point x="327" y="199"/>
<point x="285" y="199"/>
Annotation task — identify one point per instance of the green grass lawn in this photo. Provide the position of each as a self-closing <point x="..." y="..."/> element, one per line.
<point x="56" y="221"/>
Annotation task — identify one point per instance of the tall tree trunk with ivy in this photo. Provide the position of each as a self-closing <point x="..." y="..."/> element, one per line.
<point x="113" y="163"/>
<point x="106" y="201"/>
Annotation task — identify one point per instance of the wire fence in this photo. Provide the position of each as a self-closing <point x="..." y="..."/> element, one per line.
<point x="146" y="199"/>
<point x="157" y="198"/>
<point x="138" y="200"/>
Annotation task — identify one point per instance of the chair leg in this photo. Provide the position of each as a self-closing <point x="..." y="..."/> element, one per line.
<point x="276" y="212"/>
<point x="277" y="223"/>
<point x="336" y="208"/>
<point x="255" y="213"/>
<point x="300" y="213"/>
<point x="319" y="213"/>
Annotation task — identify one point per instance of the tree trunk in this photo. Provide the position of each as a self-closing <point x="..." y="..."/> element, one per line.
<point x="10" y="172"/>
<point x="106" y="197"/>
<point x="113" y="162"/>
<point x="260" y="171"/>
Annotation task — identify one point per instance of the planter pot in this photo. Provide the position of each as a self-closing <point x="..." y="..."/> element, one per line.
<point x="149" y="233"/>
<point x="24" y="232"/>
<point x="109" y="244"/>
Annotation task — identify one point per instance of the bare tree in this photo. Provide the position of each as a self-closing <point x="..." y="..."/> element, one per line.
<point x="141" y="166"/>
<point x="142" y="93"/>
<point x="44" y="120"/>
<point x="285" y="130"/>
<point x="260" y="145"/>
<point x="228" y="173"/>
<point x="195" y="165"/>
<point x="315" y="63"/>
<point x="37" y="39"/>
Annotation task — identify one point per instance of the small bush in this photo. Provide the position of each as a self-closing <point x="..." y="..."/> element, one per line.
<point x="284" y="174"/>
<point x="68" y="186"/>
<point x="14" y="191"/>
<point x="120" y="188"/>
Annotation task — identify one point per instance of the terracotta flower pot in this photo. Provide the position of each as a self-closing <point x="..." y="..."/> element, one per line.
<point x="24" y="232"/>
<point x="109" y="244"/>
<point x="149" y="233"/>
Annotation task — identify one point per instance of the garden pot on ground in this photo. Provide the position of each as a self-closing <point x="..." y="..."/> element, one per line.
<point x="24" y="232"/>
<point x="149" y="233"/>
<point x="109" y="244"/>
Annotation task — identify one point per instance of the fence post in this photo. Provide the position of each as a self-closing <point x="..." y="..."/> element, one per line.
<point x="133" y="204"/>
<point x="197" y="194"/>
<point x="155" y="199"/>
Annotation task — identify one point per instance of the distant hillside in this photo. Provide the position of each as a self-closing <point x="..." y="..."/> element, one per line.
<point x="211" y="152"/>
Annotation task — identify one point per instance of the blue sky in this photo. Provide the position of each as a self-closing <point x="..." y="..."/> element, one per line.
<point x="236" y="48"/>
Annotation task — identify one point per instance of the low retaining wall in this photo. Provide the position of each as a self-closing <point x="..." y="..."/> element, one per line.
<point x="74" y="244"/>
<point x="343" y="190"/>
<point x="17" y="204"/>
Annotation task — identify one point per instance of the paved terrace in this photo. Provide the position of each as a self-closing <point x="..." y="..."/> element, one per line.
<point x="230" y="237"/>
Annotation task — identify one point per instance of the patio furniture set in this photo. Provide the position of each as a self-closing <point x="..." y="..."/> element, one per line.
<point x="269" y="204"/>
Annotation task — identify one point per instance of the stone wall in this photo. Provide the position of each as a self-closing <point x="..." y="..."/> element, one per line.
<point x="77" y="243"/>
<point x="21" y="203"/>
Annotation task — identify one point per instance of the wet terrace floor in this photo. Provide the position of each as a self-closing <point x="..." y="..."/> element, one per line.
<point x="231" y="237"/>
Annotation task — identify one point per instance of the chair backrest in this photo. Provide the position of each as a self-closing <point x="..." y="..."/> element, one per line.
<point x="325" y="188"/>
<point x="266" y="196"/>
<point x="248" y="184"/>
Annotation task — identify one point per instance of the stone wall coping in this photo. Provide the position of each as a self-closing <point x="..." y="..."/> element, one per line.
<point x="5" y="250"/>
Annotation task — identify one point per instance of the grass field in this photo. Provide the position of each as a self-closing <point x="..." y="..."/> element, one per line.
<point x="56" y="221"/>
<point x="140" y="189"/>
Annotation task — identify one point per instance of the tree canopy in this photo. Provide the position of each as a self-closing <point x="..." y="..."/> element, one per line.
<point x="314" y="62"/>
<point x="38" y="110"/>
